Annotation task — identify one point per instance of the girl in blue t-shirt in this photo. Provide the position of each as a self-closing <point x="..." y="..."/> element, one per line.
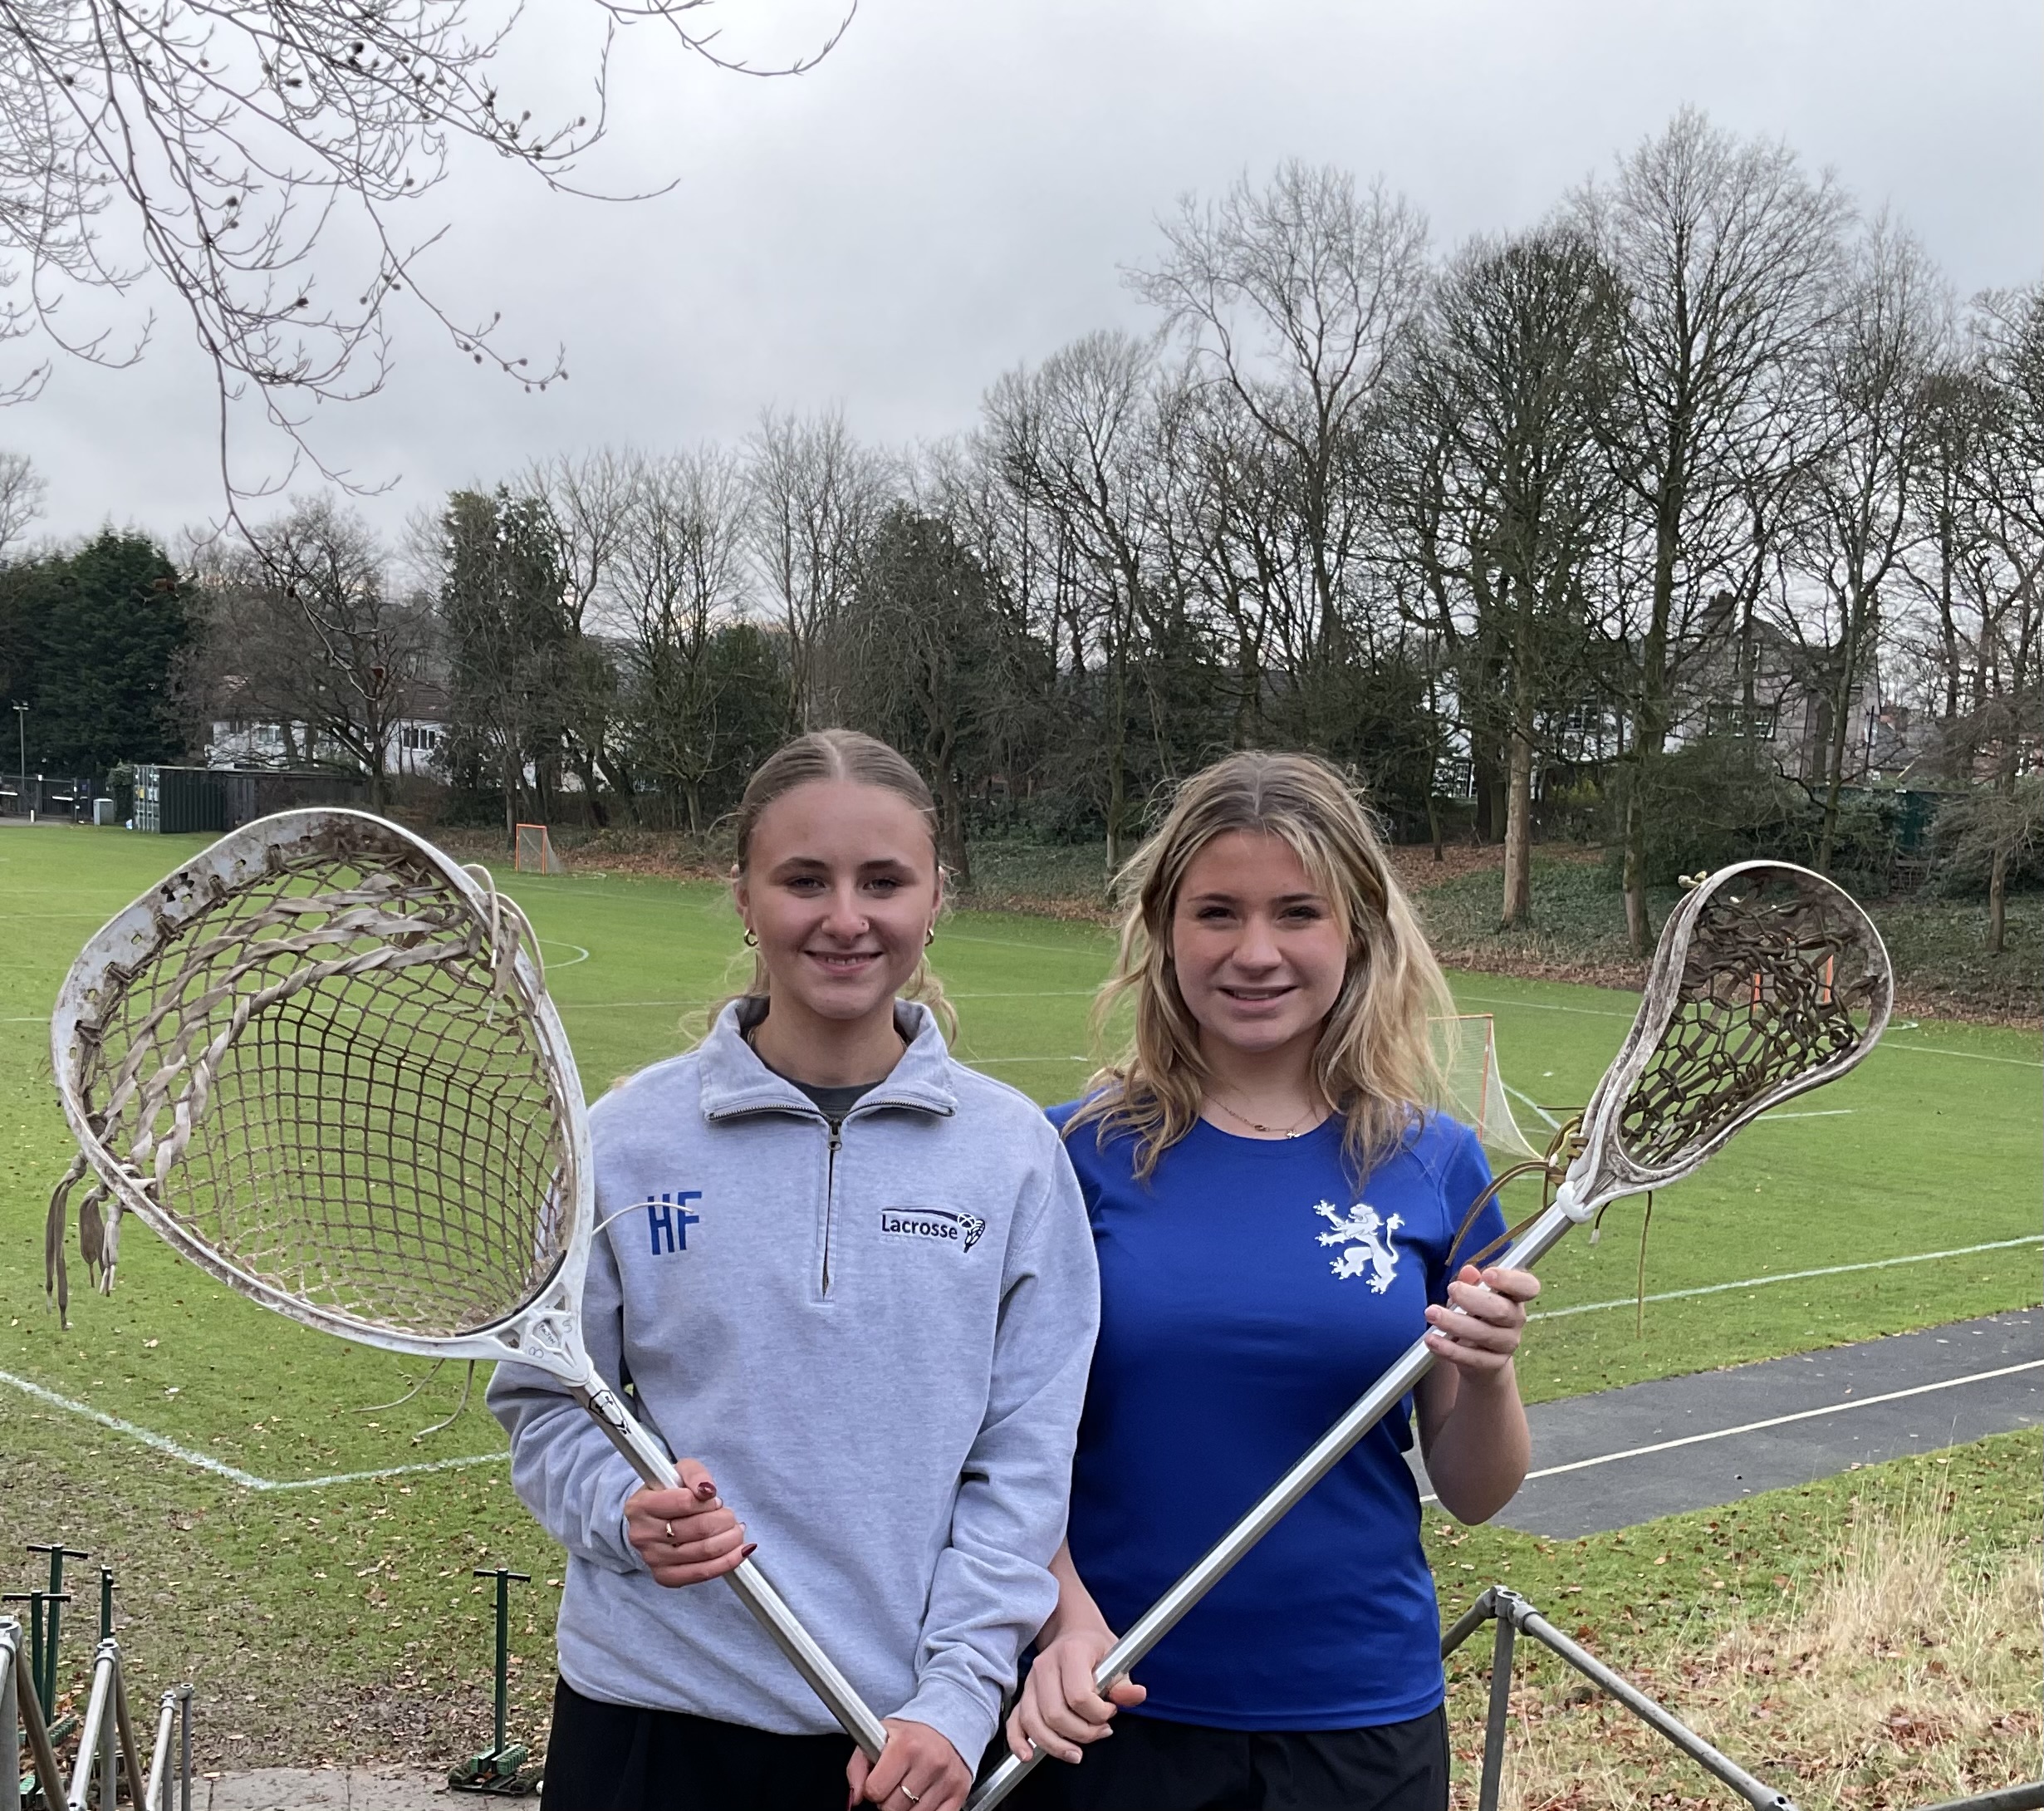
<point x="1275" y="1219"/>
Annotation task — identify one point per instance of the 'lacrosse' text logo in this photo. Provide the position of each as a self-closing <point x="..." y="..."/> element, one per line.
<point x="958" y="1231"/>
<point x="668" y="1219"/>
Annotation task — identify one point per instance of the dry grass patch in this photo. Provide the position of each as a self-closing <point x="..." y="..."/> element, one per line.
<point x="1906" y="1672"/>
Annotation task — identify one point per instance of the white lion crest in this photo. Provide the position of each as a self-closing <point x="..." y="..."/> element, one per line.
<point x="1368" y="1254"/>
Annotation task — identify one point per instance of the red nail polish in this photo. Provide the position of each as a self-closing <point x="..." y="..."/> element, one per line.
<point x="705" y="1490"/>
<point x="752" y="1548"/>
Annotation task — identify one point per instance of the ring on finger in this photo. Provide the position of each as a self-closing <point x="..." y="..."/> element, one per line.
<point x="669" y="1527"/>
<point x="914" y="1797"/>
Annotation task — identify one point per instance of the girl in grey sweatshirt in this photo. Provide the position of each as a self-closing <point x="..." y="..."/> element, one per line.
<point x="851" y="1284"/>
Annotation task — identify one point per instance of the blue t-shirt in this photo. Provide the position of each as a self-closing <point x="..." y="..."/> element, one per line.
<point x="1249" y="1294"/>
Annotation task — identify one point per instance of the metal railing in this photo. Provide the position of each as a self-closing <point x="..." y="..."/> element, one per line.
<point x="1515" y="1617"/>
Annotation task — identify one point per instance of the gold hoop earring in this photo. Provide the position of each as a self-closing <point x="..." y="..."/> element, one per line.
<point x="751" y="938"/>
<point x="929" y="936"/>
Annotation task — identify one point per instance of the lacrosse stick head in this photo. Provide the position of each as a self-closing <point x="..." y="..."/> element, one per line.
<point x="320" y="1062"/>
<point x="1769" y="981"/>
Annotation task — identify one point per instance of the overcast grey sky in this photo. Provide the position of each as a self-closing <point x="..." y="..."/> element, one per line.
<point x="953" y="190"/>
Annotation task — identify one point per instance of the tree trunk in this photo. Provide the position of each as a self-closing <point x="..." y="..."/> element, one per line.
<point x="1635" y="866"/>
<point x="1519" y="829"/>
<point x="952" y="808"/>
<point x="1997" y="900"/>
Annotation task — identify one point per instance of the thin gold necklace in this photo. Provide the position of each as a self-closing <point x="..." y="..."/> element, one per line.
<point x="1298" y="1128"/>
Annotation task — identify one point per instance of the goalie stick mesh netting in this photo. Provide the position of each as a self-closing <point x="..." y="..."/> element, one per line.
<point x="319" y="1077"/>
<point x="1781" y="976"/>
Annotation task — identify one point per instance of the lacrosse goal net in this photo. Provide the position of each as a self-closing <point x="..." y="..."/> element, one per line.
<point x="1474" y="1091"/>
<point x="534" y="851"/>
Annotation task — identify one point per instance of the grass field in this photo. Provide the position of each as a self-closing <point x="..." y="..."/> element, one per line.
<point x="1932" y="1146"/>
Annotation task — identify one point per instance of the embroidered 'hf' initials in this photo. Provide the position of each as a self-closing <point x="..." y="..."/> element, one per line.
<point x="668" y="1220"/>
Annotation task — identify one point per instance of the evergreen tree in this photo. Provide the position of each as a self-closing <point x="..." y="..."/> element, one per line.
<point x="104" y="627"/>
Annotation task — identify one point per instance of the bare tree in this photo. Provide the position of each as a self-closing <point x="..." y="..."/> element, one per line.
<point x="2010" y="499"/>
<point x="679" y="577"/>
<point x="815" y="494"/>
<point x="589" y="503"/>
<point x="1511" y="383"/>
<point x="1725" y="254"/>
<point x="303" y="633"/>
<point x="1084" y="439"/>
<point x="22" y="491"/>
<point x="1295" y="299"/>
<point x="227" y="145"/>
<point x="1876" y="356"/>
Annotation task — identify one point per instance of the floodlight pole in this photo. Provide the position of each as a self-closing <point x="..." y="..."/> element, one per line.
<point x="20" y="727"/>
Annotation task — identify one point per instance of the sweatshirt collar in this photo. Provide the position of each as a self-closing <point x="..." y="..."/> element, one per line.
<point x="736" y="1082"/>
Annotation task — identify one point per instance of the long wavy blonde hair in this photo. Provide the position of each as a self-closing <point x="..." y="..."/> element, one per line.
<point x="840" y="754"/>
<point x="1376" y="1061"/>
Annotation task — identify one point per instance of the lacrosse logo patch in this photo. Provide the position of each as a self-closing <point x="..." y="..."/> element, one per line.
<point x="932" y="1226"/>
<point x="1371" y="1253"/>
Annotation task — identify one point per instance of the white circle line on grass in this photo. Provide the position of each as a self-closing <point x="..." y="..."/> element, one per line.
<point x="219" y="1468"/>
<point x="561" y="942"/>
<point x="1788" y="1276"/>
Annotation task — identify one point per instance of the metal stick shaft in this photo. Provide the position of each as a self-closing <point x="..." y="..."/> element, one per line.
<point x="156" y="1795"/>
<point x="773" y="1614"/>
<point x="1325" y="1453"/>
<point x="98" y="1708"/>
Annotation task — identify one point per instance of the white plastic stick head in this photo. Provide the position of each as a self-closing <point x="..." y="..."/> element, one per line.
<point x="1769" y="981"/>
<point x="319" y="1061"/>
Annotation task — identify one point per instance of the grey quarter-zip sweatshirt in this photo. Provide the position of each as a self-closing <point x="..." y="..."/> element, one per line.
<point x="875" y="1336"/>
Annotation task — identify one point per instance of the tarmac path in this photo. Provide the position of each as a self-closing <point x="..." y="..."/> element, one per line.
<point x="1616" y="1457"/>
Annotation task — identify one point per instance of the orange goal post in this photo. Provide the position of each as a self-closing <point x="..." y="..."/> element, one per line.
<point x="533" y="851"/>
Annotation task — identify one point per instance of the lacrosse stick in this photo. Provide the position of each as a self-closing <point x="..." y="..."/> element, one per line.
<point x="320" y="1062"/>
<point x="1769" y="981"/>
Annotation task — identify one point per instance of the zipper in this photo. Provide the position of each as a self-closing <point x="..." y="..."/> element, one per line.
<point x="830" y="1199"/>
<point x="836" y="1140"/>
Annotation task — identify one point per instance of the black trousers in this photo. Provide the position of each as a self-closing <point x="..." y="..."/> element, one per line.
<point x="612" y="1757"/>
<point x="1149" y="1764"/>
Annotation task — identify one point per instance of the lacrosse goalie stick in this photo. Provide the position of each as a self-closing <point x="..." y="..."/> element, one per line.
<point x="320" y="1062"/>
<point x="1769" y="981"/>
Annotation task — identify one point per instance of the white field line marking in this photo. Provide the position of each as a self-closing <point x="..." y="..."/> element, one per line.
<point x="606" y="1006"/>
<point x="1974" y="1055"/>
<point x="219" y="1468"/>
<point x="981" y="1062"/>
<point x="1545" y="1006"/>
<point x="1838" y="1407"/>
<point x="1777" y="1420"/>
<point x="1011" y="943"/>
<point x="1791" y="1276"/>
<point x="561" y="942"/>
<point x="1528" y="1100"/>
<point x="1815" y="1112"/>
<point x="1886" y="1044"/>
